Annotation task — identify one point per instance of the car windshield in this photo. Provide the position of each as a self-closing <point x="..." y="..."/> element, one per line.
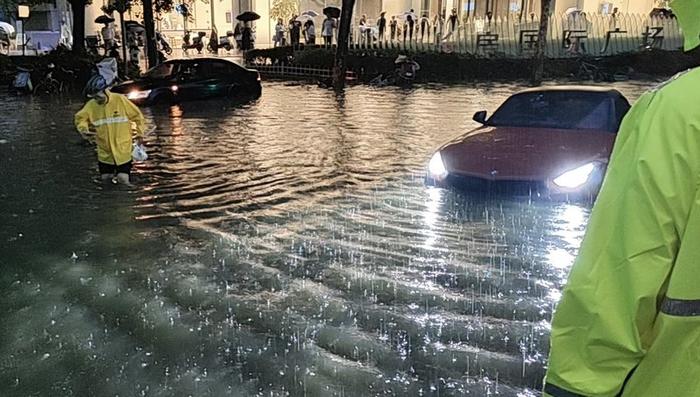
<point x="162" y="71"/>
<point x="557" y="109"/>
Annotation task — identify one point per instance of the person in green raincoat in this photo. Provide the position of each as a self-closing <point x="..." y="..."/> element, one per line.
<point x="628" y="323"/>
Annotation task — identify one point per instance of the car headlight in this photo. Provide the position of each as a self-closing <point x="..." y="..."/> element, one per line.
<point x="436" y="167"/>
<point x="139" y="94"/>
<point x="575" y="178"/>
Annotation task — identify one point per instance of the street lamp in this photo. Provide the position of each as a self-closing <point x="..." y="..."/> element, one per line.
<point x="23" y="15"/>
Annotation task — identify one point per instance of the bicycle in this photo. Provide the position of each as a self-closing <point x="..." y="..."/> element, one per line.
<point x="589" y="71"/>
<point x="50" y="85"/>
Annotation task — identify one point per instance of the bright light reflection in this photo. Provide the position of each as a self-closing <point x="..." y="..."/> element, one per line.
<point x="569" y="224"/>
<point x="431" y="215"/>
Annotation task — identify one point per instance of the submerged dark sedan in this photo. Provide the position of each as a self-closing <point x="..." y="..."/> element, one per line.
<point x="189" y="79"/>
<point x="544" y="142"/>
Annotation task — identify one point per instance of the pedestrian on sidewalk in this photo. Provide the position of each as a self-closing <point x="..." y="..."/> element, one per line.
<point x="393" y="25"/>
<point x="381" y="26"/>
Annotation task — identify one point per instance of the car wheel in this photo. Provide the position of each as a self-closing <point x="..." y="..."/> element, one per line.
<point x="163" y="98"/>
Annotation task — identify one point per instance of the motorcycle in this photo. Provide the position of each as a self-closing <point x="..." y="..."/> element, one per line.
<point x="197" y="42"/>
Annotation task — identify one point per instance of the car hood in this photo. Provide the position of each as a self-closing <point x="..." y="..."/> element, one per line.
<point x="509" y="153"/>
<point x="132" y="85"/>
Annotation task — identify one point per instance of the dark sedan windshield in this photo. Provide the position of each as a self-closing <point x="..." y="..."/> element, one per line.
<point x="558" y="109"/>
<point x="162" y="71"/>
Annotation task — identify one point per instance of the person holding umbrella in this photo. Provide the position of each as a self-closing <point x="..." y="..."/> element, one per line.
<point x="327" y="31"/>
<point x="7" y="32"/>
<point x="107" y="31"/>
<point x="247" y="32"/>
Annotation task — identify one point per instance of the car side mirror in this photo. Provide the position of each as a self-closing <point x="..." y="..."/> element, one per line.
<point x="480" y="117"/>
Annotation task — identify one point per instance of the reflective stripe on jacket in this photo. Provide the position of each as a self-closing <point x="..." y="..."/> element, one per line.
<point x="112" y="122"/>
<point x="628" y="322"/>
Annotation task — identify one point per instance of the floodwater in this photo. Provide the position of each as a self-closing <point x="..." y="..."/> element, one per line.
<point x="286" y="246"/>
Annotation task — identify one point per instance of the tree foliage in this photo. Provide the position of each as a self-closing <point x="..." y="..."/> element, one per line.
<point x="284" y="9"/>
<point x="159" y="6"/>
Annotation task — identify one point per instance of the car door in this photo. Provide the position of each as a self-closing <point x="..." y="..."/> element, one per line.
<point x="217" y="78"/>
<point x="190" y="81"/>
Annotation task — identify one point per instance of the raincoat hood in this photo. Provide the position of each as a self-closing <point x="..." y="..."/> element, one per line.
<point x="688" y="14"/>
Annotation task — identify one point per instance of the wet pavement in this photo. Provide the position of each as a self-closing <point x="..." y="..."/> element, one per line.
<point x="285" y="246"/>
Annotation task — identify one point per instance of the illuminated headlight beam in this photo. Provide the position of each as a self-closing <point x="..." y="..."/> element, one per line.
<point x="139" y="94"/>
<point x="575" y="178"/>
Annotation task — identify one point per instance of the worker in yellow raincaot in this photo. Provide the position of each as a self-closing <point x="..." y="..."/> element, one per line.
<point x="628" y="323"/>
<point x="111" y="116"/>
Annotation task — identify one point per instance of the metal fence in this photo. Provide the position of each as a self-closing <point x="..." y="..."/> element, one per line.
<point x="595" y="35"/>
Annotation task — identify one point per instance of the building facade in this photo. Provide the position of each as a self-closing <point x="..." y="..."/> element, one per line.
<point x="44" y="25"/>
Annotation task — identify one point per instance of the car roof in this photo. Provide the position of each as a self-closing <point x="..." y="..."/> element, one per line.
<point x="572" y="88"/>
<point x="206" y="59"/>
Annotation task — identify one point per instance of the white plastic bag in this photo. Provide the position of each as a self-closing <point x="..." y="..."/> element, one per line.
<point x="139" y="152"/>
<point x="107" y="68"/>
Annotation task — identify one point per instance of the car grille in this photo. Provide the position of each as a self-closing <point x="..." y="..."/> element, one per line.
<point x="518" y="188"/>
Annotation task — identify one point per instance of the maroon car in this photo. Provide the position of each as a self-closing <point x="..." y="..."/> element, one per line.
<point x="544" y="142"/>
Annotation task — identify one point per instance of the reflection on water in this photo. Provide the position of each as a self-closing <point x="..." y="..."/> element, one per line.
<point x="285" y="246"/>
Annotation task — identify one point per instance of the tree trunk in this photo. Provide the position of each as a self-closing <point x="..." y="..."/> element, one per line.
<point x="149" y="24"/>
<point x="538" y="60"/>
<point x="78" y="8"/>
<point x="125" y="59"/>
<point x="341" y="52"/>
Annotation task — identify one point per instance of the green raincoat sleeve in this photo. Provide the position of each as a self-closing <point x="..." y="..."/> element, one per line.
<point x="602" y="326"/>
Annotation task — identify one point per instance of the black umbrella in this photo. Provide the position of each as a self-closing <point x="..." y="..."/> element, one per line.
<point x="104" y="19"/>
<point x="332" y="12"/>
<point x="135" y="26"/>
<point x="248" y="16"/>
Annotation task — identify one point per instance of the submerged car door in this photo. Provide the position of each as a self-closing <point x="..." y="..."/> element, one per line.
<point x="216" y="78"/>
<point x="190" y="80"/>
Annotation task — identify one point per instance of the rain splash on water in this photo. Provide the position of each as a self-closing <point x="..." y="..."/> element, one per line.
<point x="286" y="246"/>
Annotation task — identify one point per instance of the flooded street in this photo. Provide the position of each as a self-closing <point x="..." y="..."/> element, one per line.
<point x="286" y="246"/>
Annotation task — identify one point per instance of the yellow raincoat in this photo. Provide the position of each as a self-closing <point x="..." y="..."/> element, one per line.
<point x="112" y="122"/>
<point x="628" y="323"/>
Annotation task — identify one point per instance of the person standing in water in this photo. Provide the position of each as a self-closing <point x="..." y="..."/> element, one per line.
<point x="111" y="116"/>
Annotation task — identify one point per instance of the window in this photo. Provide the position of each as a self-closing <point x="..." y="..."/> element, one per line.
<point x="228" y="17"/>
<point x="558" y="109"/>
<point x="215" y="69"/>
<point x="162" y="71"/>
<point x="38" y="21"/>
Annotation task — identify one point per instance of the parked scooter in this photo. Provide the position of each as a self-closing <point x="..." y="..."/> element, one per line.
<point x="22" y="83"/>
<point x="227" y="42"/>
<point x="163" y="44"/>
<point x="404" y="73"/>
<point x="197" y="42"/>
<point x="406" y="69"/>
